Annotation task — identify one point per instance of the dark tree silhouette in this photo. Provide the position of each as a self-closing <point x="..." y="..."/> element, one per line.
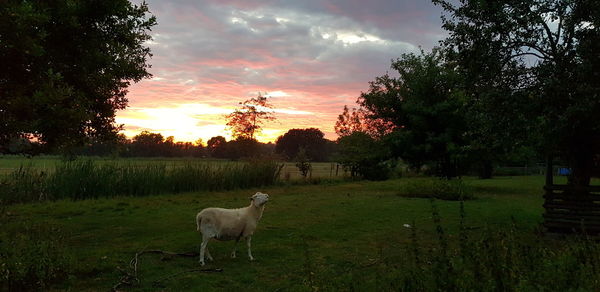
<point x="66" y="67"/>
<point x="311" y="140"/>
<point x="216" y="147"/>
<point x="546" y="54"/>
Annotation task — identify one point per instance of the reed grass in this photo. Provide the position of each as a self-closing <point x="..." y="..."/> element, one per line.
<point x="87" y="179"/>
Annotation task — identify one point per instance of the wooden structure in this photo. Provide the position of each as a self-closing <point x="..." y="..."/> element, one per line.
<point x="570" y="209"/>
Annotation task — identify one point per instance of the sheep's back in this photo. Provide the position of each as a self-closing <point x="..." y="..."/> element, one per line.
<point x="229" y="223"/>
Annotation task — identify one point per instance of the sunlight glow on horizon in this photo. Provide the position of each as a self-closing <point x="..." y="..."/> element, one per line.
<point x="190" y="122"/>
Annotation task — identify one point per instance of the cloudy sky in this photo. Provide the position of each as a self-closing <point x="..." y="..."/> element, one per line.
<point x="312" y="57"/>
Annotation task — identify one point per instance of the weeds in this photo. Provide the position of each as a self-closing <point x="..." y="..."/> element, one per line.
<point x="487" y="260"/>
<point x="32" y="258"/>
<point x="504" y="260"/>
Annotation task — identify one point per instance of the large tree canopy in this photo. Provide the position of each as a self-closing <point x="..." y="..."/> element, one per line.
<point x="424" y="105"/>
<point x="311" y="140"/>
<point x="66" y="66"/>
<point x="544" y="55"/>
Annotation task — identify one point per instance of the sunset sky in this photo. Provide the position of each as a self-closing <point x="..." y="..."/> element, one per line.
<point x="312" y="57"/>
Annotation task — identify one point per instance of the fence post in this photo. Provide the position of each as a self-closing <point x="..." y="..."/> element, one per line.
<point x="549" y="171"/>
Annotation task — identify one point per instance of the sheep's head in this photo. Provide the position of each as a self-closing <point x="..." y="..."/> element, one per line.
<point x="260" y="199"/>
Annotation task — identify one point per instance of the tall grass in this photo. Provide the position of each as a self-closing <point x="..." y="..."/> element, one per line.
<point x="501" y="260"/>
<point x="505" y="259"/>
<point x="88" y="179"/>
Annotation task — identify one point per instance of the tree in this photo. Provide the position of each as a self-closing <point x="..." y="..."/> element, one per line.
<point x="311" y="140"/>
<point x="546" y="54"/>
<point x="248" y="120"/>
<point x="363" y="156"/>
<point x="216" y="146"/>
<point x="360" y="120"/>
<point x="147" y="144"/>
<point x="66" y="67"/>
<point x="242" y="148"/>
<point x="425" y="106"/>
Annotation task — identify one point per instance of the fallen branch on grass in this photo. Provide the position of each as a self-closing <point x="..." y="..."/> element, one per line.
<point x="130" y="278"/>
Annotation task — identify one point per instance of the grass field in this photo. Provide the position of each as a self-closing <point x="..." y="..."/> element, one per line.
<point x="309" y="234"/>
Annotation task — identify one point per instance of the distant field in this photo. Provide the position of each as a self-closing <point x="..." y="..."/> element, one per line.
<point x="9" y="163"/>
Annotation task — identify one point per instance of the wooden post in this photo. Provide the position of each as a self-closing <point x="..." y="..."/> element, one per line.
<point x="549" y="172"/>
<point x="330" y="170"/>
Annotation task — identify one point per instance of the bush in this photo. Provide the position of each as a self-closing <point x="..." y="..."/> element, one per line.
<point x="442" y="189"/>
<point x="374" y="171"/>
<point x="32" y="258"/>
<point x="364" y="156"/>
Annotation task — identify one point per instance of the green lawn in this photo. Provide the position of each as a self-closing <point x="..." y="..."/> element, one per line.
<point x="307" y="232"/>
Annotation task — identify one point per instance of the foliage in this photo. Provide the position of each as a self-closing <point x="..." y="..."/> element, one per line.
<point x="426" y="107"/>
<point x="363" y="156"/>
<point x="311" y="140"/>
<point x="248" y="120"/>
<point x="454" y="190"/>
<point x="243" y="148"/>
<point x="359" y="120"/>
<point x="216" y="146"/>
<point x="147" y="144"/>
<point x="88" y="179"/>
<point x="303" y="162"/>
<point x="66" y="67"/>
<point x="545" y="75"/>
<point x="33" y="257"/>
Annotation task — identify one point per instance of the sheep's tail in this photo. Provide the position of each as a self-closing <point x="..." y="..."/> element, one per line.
<point x="198" y="221"/>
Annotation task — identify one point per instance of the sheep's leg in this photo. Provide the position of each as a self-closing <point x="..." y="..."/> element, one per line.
<point x="202" y="249"/>
<point x="210" y="258"/>
<point x="234" y="249"/>
<point x="249" y="243"/>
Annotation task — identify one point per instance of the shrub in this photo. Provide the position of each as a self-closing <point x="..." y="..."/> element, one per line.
<point x="442" y="189"/>
<point x="303" y="162"/>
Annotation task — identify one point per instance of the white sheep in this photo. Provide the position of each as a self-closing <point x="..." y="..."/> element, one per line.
<point x="230" y="224"/>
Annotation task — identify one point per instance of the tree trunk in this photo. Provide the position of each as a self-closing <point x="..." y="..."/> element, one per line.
<point x="581" y="162"/>
<point x="486" y="169"/>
